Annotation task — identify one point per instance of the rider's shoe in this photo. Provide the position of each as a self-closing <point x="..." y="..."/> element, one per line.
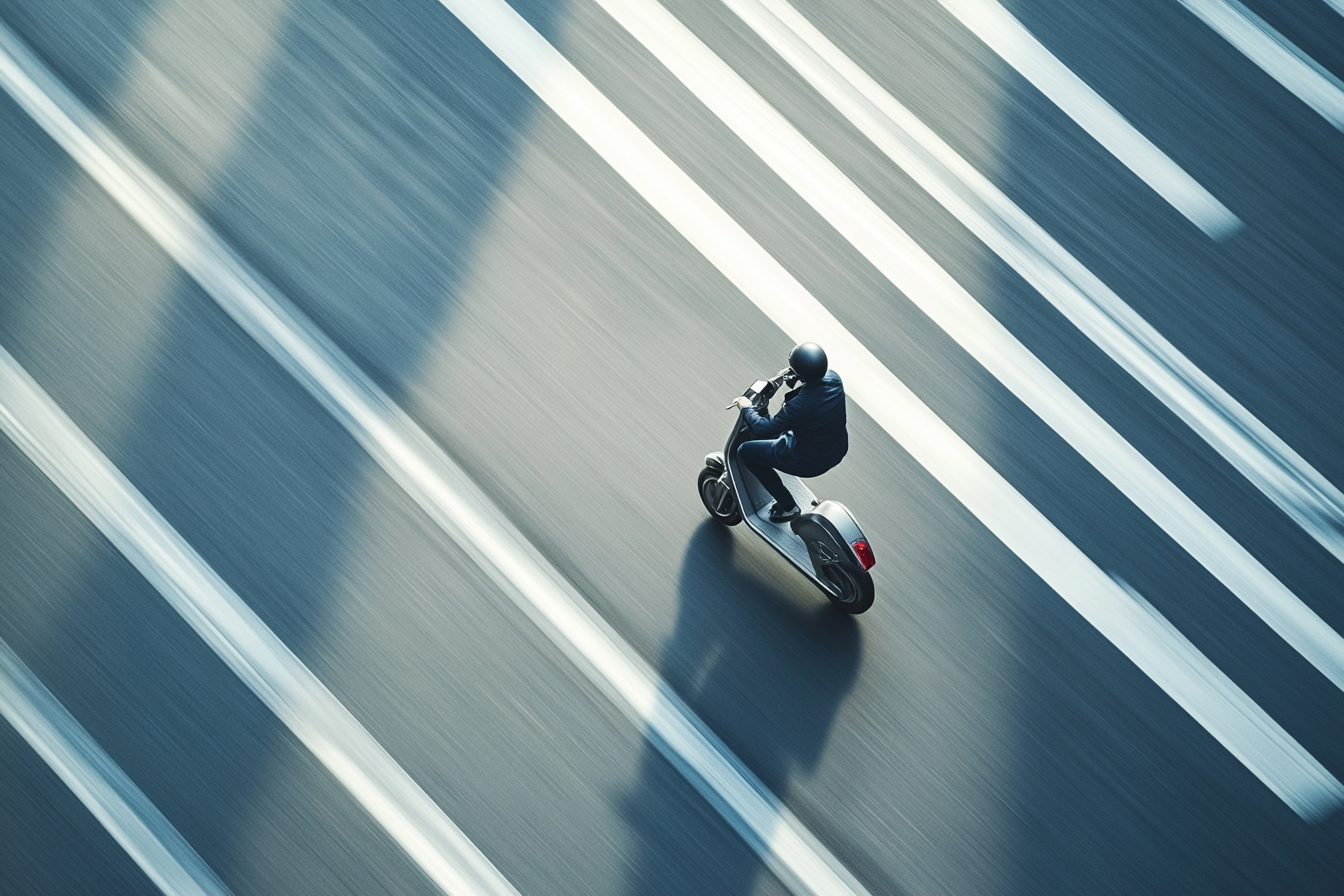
<point x="778" y="515"/>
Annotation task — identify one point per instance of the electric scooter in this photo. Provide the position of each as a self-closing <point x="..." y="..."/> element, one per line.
<point x="824" y="541"/>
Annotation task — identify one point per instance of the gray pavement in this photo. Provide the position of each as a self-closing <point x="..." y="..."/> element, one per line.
<point x="573" y="352"/>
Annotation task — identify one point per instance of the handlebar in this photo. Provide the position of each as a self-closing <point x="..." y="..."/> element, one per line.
<point x="761" y="391"/>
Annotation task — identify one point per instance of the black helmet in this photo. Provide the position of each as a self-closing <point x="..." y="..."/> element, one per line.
<point x="808" y="360"/>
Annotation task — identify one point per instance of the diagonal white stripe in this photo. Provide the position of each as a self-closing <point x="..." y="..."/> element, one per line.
<point x="430" y="477"/>
<point x="100" y="784"/>
<point x="912" y="270"/>
<point x="246" y="644"/>
<point x="1172" y="662"/>
<point x="1310" y="499"/>
<point x="1005" y="35"/>
<point x="1275" y="54"/>
<point x="444" y="491"/>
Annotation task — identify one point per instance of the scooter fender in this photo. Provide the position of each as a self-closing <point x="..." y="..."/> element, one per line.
<point x="830" y="531"/>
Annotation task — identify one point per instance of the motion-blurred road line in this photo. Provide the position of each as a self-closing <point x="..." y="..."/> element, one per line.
<point x="1005" y="35"/>
<point x="433" y="480"/>
<point x="912" y="270"/>
<point x="1336" y="5"/>
<point x="1151" y="643"/>
<point x="1275" y="54"/>
<point x="466" y="513"/>
<point x="1252" y="448"/>
<point x="100" y="784"/>
<point x="241" y="639"/>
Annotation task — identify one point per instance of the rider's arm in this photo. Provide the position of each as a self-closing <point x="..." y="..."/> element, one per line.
<point x="765" y="426"/>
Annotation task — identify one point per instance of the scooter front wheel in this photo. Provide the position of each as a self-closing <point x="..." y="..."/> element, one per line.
<point x="853" y="587"/>
<point x="718" y="497"/>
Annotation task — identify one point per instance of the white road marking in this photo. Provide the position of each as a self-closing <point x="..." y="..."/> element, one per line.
<point x="1275" y="54"/>
<point x="467" y="514"/>
<point x="912" y="270"/>
<point x="1005" y="35"/>
<point x="100" y="784"/>
<point x="1298" y="489"/>
<point x="432" y="479"/>
<point x="1267" y="461"/>
<point x="1226" y="712"/>
<point x="1336" y="5"/>
<point x="1179" y="667"/>
<point x="279" y="678"/>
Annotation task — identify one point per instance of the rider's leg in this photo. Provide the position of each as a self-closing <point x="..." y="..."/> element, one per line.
<point x="759" y="459"/>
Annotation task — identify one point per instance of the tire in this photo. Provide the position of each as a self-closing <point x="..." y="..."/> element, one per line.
<point x="854" y="587"/>
<point x="717" y="497"/>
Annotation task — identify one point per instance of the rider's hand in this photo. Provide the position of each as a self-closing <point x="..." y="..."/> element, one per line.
<point x="743" y="401"/>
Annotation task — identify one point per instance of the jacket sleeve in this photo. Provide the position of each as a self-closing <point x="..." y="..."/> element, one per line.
<point x="765" y="426"/>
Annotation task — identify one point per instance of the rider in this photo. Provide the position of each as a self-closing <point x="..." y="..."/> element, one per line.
<point x="805" y="438"/>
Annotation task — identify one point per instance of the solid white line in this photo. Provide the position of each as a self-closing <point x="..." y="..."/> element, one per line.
<point x="1179" y="664"/>
<point x="458" y="505"/>
<point x="1232" y="717"/>
<point x="1336" y="5"/>
<point x="279" y="678"/>
<point x="1298" y="489"/>
<point x="912" y="270"/>
<point x="100" y="784"/>
<point x="1005" y="35"/>
<point x="1311" y="500"/>
<point x="445" y="492"/>
<point x="1275" y="54"/>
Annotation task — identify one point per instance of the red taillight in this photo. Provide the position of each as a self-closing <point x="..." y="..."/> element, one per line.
<point x="864" y="553"/>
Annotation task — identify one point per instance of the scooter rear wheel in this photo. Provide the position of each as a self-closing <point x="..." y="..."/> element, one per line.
<point x="718" y="498"/>
<point x="853" y="588"/>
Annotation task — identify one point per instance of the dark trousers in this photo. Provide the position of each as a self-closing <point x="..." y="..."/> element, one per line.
<point x="759" y="458"/>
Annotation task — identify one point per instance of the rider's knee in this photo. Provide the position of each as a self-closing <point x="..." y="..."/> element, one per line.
<point x="750" y="453"/>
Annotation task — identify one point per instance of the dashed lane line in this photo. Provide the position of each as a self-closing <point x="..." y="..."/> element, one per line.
<point x="120" y="807"/>
<point x="1277" y="56"/>
<point x="996" y="27"/>
<point x="241" y="639"/>
<point x="1266" y="460"/>
<point x="912" y="270"/>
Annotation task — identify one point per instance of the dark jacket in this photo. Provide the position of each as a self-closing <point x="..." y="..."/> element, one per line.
<point x="812" y="423"/>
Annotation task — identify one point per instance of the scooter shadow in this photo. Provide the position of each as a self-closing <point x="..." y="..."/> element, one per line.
<point x="763" y="658"/>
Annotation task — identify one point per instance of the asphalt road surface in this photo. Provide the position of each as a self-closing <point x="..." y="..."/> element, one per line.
<point x="569" y="346"/>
